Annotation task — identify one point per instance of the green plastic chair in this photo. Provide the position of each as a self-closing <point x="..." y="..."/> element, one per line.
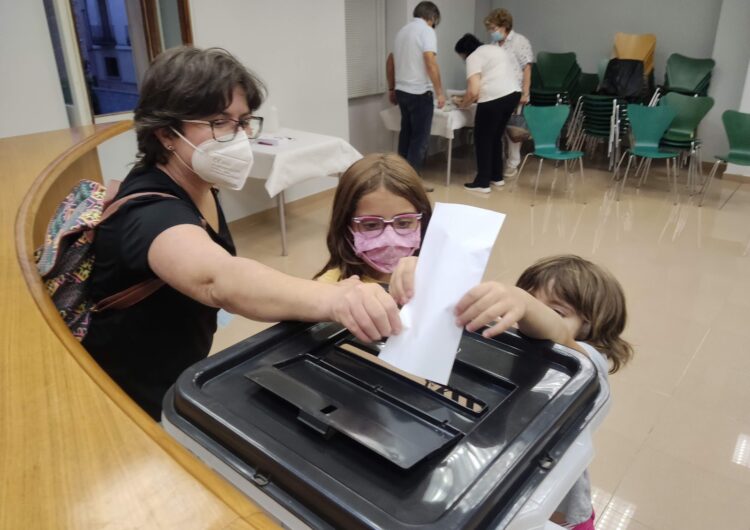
<point x="737" y="128"/>
<point x="682" y="133"/>
<point x="556" y="77"/>
<point x="647" y="127"/>
<point x="688" y="75"/>
<point x="545" y="125"/>
<point x="690" y="112"/>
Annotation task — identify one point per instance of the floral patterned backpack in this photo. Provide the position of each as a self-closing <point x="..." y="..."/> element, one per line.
<point x="66" y="258"/>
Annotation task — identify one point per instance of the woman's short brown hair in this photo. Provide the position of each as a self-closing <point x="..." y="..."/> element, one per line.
<point x="187" y="83"/>
<point x="376" y="170"/>
<point x="593" y="293"/>
<point x="500" y="18"/>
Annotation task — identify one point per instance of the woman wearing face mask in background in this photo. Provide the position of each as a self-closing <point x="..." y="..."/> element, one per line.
<point x="380" y="215"/>
<point x="499" y="25"/>
<point x="193" y="124"/>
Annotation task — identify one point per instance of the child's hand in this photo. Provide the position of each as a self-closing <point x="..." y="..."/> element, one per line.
<point x="402" y="280"/>
<point x="491" y="302"/>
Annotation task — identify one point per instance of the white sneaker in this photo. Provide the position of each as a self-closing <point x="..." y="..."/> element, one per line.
<point x="510" y="171"/>
<point x="498" y="183"/>
<point x="476" y="187"/>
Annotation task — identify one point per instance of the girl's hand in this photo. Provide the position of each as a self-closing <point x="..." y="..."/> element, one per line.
<point x="402" y="280"/>
<point x="491" y="302"/>
<point x="365" y="309"/>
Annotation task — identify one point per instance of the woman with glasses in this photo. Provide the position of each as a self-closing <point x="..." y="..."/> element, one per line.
<point x="194" y="122"/>
<point x="380" y="214"/>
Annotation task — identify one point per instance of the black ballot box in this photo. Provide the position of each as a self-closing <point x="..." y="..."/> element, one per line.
<point x="303" y="419"/>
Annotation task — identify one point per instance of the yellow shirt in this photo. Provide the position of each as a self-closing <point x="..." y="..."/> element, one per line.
<point x="334" y="276"/>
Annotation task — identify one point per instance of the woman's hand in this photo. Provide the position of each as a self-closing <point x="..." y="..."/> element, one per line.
<point x="492" y="302"/>
<point x="402" y="280"/>
<point x="365" y="309"/>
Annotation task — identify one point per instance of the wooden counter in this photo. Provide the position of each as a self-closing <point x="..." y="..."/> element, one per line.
<point x="75" y="451"/>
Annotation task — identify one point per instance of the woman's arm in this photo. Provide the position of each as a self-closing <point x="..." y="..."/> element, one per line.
<point x="186" y="258"/>
<point x="472" y="90"/>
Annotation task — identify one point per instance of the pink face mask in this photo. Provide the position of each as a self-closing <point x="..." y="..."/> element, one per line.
<point x="383" y="252"/>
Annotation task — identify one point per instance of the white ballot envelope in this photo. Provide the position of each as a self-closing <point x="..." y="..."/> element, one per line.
<point x="452" y="260"/>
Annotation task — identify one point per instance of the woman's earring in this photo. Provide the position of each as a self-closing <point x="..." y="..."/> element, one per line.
<point x="170" y="148"/>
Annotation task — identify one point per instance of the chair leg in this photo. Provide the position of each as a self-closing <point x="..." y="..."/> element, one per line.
<point x="536" y="182"/>
<point x="625" y="177"/>
<point x="520" y="170"/>
<point x="646" y="171"/>
<point x="673" y="163"/>
<point x="583" y="187"/>
<point x="617" y="166"/>
<point x="707" y="184"/>
<point x="638" y="173"/>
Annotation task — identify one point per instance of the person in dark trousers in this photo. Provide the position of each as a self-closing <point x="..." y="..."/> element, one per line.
<point x="414" y="80"/>
<point x="492" y="82"/>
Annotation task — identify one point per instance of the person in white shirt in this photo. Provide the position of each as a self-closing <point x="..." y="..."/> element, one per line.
<point x="493" y="83"/>
<point x="499" y="24"/>
<point x="413" y="75"/>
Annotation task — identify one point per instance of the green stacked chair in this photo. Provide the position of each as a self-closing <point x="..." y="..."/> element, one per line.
<point x="688" y="75"/>
<point x="545" y="125"/>
<point x="682" y="135"/>
<point x="554" y="78"/>
<point x="737" y="128"/>
<point x="647" y="127"/>
<point x="600" y="118"/>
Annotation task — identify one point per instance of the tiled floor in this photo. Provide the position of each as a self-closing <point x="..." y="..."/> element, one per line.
<point x="674" y="452"/>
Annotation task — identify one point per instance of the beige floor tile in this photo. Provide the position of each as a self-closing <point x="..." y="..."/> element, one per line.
<point x="635" y="408"/>
<point x="702" y="437"/>
<point x="614" y="455"/>
<point x="714" y="385"/>
<point x="667" y="493"/>
<point x="612" y="519"/>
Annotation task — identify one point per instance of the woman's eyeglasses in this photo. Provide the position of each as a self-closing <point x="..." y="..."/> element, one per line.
<point x="373" y="226"/>
<point x="226" y="129"/>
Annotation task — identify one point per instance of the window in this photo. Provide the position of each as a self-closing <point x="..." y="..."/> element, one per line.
<point x="365" y="47"/>
<point x="112" y="42"/>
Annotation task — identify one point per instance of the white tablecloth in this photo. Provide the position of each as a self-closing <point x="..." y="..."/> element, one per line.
<point x="301" y="156"/>
<point x="444" y="121"/>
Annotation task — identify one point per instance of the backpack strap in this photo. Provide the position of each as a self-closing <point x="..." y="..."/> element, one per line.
<point x="110" y="210"/>
<point x="142" y="290"/>
<point x="130" y="296"/>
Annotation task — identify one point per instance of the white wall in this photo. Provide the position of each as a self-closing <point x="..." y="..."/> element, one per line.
<point x="588" y="27"/>
<point x="731" y="51"/>
<point x="744" y="106"/>
<point x="297" y="48"/>
<point x="30" y="95"/>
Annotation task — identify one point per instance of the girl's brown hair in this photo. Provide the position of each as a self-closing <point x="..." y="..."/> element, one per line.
<point x="376" y="170"/>
<point x="595" y="295"/>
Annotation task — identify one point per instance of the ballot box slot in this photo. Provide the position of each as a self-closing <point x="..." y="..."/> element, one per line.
<point x="330" y="402"/>
<point x="486" y="389"/>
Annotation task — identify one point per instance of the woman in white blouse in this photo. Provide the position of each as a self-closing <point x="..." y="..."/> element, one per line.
<point x="492" y="81"/>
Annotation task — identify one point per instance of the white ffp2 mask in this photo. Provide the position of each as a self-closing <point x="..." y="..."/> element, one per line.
<point x="225" y="164"/>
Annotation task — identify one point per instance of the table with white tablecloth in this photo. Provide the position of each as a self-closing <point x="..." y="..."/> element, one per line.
<point x="444" y="122"/>
<point x="296" y="157"/>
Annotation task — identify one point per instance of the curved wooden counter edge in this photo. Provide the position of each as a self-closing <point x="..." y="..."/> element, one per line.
<point x="26" y="230"/>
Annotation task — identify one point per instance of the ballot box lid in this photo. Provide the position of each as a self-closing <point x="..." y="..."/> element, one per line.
<point x="343" y="441"/>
